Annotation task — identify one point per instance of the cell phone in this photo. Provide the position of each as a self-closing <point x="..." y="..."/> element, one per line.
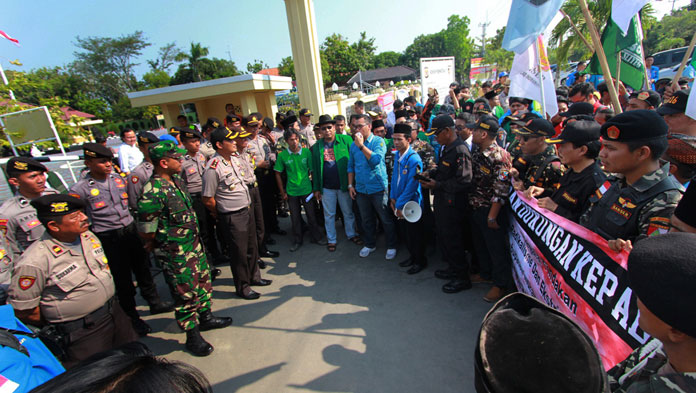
<point x="418" y="176"/>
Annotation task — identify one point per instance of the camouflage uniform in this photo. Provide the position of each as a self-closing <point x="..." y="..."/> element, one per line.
<point x="630" y="212"/>
<point x="550" y="176"/>
<point x="647" y="370"/>
<point x="426" y="152"/>
<point x="281" y="145"/>
<point x="167" y="210"/>
<point x="491" y="170"/>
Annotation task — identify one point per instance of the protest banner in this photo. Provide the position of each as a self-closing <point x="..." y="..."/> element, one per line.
<point x="437" y="73"/>
<point x="386" y="102"/>
<point x="572" y="269"/>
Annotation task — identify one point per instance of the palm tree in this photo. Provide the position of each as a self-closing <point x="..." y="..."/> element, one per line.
<point x="196" y="53"/>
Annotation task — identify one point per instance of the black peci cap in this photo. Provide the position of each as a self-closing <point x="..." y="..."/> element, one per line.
<point x="288" y="121"/>
<point x="403" y="128"/>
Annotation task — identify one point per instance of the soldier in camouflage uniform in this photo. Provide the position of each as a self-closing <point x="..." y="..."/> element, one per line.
<point x="665" y="299"/>
<point x="536" y="167"/>
<point x="640" y="198"/>
<point x="168" y="223"/>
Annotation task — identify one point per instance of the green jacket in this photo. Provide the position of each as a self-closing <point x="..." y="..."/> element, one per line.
<point x="341" y="147"/>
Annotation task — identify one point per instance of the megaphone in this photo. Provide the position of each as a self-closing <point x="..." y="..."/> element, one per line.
<point x="412" y="211"/>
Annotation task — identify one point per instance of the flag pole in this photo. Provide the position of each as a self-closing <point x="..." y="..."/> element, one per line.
<point x="541" y="76"/>
<point x="599" y="50"/>
<point x="618" y="70"/>
<point x="642" y="50"/>
<point x="577" y="31"/>
<point x="4" y="80"/>
<point x="686" y="58"/>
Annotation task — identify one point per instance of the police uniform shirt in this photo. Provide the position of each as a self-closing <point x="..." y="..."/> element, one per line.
<point x="19" y="224"/>
<point x="192" y="169"/>
<point x="207" y="149"/>
<point x="66" y="281"/>
<point x="6" y="266"/>
<point x="573" y="196"/>
<point x="308" y="132"/>
<point x="222" y="180"/>
<point x="247" y="167"/>
<point x="259" y="149"/>
<point x="136" y="181"/>
<point x="107" y="202"/>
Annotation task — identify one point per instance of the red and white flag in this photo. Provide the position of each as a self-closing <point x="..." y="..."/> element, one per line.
<point x="16" y="41"/>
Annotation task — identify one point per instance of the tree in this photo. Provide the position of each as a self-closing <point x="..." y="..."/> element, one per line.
<point x="672" y="31"/>
<point x="195" y="56"/>
<point x="156" y="78"/>
<point x="386" y="59"/>
<point x="287" y="67"/>
<point x="107" y="64"/>
<point x="256" y="66"/>
<point x="496" y="55"/>
<point x="458" y="44"/>
<point x="166" y="57"/>
<point x="206" y="69"/>
<point x="340" y="57"/>
<point x="363" y="51"/>
<point x="429" y="45"/>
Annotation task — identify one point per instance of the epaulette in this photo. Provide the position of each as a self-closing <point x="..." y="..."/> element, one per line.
<point x="214" y="163"/>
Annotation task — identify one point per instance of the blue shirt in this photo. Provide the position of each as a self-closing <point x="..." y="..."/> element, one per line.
<point x="370" y="175"/>
<point x="654" y="75"/>
<point x="404" y="187"/>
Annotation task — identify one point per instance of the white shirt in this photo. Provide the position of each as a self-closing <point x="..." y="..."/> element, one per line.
<point x="129" y="157"/>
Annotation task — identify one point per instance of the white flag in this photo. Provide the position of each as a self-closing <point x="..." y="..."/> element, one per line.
<point x="525" y="81"/>
<point x="622" y="11"/>
<point x="691" y="106"/>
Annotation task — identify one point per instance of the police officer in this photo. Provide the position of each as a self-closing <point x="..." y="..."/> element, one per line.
<point x="248" y="162"/>
<point x="640" y="199"/>
<point x="451" y="181"/>
<point x="261" y="148"/>
<point x="537" y="166"/>
<point x="6" y="267"/>
<point x="206" y="147"/>
<point x="106" y="199"/>
<point x="578" y="147"/>
<point x="141" y="173"/>
<point x="192" y="169"/>
<point x="167" y="220"/>
<point x="64" y="280"/>
<point x="18" y="219"/>
<point x="227" y="197"/>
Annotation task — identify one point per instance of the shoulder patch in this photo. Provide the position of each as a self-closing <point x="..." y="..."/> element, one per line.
<point x="26" y="282"/>
<point x="135" y="179"/>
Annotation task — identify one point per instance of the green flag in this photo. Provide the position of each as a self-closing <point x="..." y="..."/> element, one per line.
<point x="613" y="42"/>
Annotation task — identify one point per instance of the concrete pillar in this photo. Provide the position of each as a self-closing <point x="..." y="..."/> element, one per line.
<point x="266" y="103"/>
<point x="248" y="103"/>
<point x="305" y="54"/>
<point x="170" y="112"/>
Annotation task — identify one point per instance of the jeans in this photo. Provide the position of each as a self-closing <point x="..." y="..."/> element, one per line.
<point x="368" y="205"/>
<point x="329" y="199"/>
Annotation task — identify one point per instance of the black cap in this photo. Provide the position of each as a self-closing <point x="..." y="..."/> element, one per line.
<point x="402" y="128"/>
<point x="440" y="122"/>
<point x="537" y="127"/>
<point x="147" y="137"/>
<point x="18" y="165"/>
<point x="635" y="125"/>
<point x="220" y="134"/>
<point x="662" y="273"/>
<point x="483" y="106"/>
<point x="578" y="132"/>
<point x="486" y="123"/>
<point x="56" y="205"/>
<point x="232" y="118"/>
<point x="686" y="209"/>
<point x="491" y="94"/>
<point x="650" y="96"/>
<point x="212" y="122"/>
<point x="325" y="119"/>
<point x="288" y="121"/>
<point x="268" y="123"/>
<point x="579" y="108"/>
<point x="400" y="113"/>
<point x="468" y="106"/>
<point x="522" y="117"/>
<point x="446" y="109"/>
<point x="675" y="104"/>
<point x="525" y="346"/>
<point x="377" y="123"/>
<point x="306" y="112"/>
<point x="191" y="134"/>
<point x="95" y="150"/>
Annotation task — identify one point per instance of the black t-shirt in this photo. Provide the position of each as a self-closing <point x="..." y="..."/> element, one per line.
<point x="576" y="188"/>
<point x="331" y="179"/>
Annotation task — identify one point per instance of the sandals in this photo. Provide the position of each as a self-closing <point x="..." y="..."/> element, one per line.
<point x="356" y="240"/>
<point x="331" y="247"/>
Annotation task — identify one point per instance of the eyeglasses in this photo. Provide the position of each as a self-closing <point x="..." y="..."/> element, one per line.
<point x="325" y="128"/>
<point x="359" y="126"/>
<point x="460" y="128"/>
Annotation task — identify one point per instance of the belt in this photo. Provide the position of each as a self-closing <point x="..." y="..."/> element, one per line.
<point x="196" y="194"/>
<point x="118" y="232"/>
<point x="242" y="210"/>
<point x="253" y="185"/>
<point x="88" y="320"/>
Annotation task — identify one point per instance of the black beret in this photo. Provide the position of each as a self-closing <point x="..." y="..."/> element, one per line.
<point x="537" y="127"/>
<point x="95" y="150"/>
<point x="662" y="273"/>
<point x="640" y="124"/>
<point x="377" y="123"/>
<point x="578" y="108"/>
<point x="686" y="209"/>
<point x="220" y="134"/>
<point x="675" y="104"/>
<point x="400" y="113"/>
<point x="191" y="134"/>
<point x="288" y="121"/>
<point x="147" y="137"/>
<point x="525" y="346"/>
<point x="56" y="205"/>
<point x="402" y="128"/>
<point x="468" y="106"/>
<point x="579" y="132"/>
<point x="18" y="165"/>
<point x="212" y="122"/>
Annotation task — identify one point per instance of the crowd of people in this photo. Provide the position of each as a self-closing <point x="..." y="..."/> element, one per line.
<point x="197" y="198"/>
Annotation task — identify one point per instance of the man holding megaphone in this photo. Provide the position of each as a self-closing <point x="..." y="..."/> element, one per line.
<point x="406" y="197"/>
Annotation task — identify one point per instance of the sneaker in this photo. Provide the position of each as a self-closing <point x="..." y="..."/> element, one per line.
<point x="365" y="251"/>
<point x="391" y="253"/>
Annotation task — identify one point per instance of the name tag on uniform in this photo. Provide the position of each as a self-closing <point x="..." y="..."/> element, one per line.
<point x="65" y="272"/>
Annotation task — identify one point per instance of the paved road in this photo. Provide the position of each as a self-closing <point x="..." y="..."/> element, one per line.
<point x="334" y="322"/>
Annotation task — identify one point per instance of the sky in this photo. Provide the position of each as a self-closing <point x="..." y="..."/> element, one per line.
<point x="233" y="29"/>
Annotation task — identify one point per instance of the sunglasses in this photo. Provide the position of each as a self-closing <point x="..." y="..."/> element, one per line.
<point x="528" y="137"/>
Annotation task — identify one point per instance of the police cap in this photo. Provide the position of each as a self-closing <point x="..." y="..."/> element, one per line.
<point x="147" y="137"/>
<point x="675" y="104"/>
<point x="95" y="150"/>
<point x="56" y="205"/>
<point x="232" y="118"/>
<point x="305" y="112"/>
<point x="212" y="122"/>
<point x="637" y="125"/>
<point x="19" y="165"/>
<point x="220" y="134"/>
<point x="191" y="134"/>
<point x="578" y="132"/>
<point x="252" y="120"/>
<point x="662" y="273"/>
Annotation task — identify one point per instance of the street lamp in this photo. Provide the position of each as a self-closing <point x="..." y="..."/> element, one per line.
<point x="334" y="87"/>
<point x="355" y="85"/>
<point x="377" y="83"/>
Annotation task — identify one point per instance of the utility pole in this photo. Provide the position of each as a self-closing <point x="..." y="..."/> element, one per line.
<point x="229" y="54"/>
<point x="483" y="35"/>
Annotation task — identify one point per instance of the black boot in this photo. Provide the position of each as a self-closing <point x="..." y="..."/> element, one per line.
<point x="159" y="307"/>
<point x="206" y="321"/>
<point x="196" y="344"/>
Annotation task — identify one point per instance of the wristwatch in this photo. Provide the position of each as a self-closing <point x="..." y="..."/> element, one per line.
<point x="350" y="186"/>
<point x="491" y="219"/>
